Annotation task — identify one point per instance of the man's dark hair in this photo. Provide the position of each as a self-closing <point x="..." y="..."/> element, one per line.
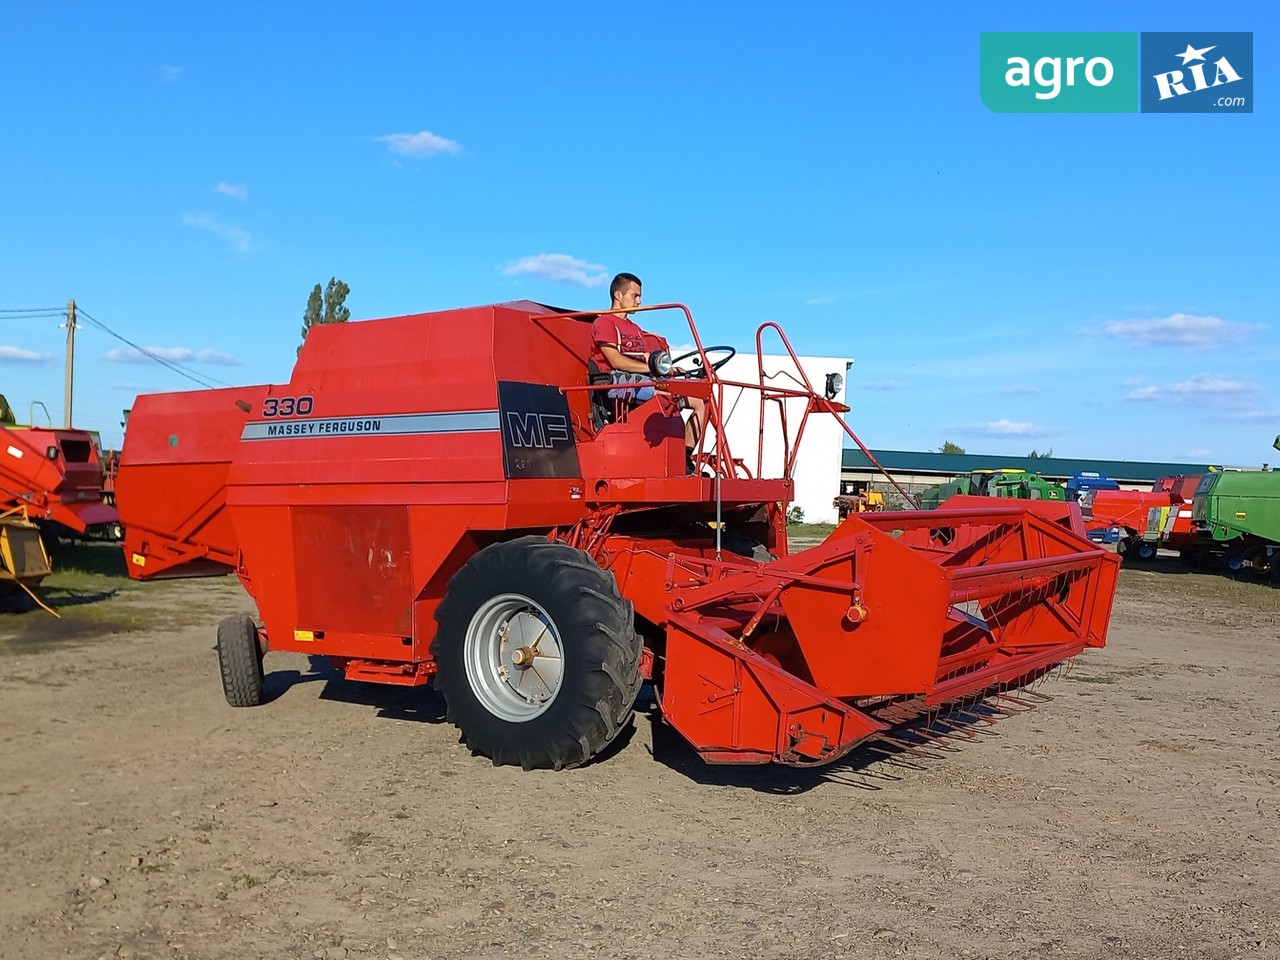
<point x="620" y="283"/>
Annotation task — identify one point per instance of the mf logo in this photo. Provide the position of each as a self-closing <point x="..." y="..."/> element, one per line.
<point x="537" y="431"/>
<point x="1197" y="73"/>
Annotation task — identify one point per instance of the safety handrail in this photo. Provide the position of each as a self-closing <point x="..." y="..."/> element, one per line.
<point x="828" y="406"/>
<point x="715" y="405"/>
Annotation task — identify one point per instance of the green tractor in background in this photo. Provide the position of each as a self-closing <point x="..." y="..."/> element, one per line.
<point x="1005" y="482"/>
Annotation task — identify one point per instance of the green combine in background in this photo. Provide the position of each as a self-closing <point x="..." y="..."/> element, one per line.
<point x="1237" y="513"/>
<point x="1005" y="482"/>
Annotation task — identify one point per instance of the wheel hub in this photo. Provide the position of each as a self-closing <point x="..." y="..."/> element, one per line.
<point x="514" y="657"/>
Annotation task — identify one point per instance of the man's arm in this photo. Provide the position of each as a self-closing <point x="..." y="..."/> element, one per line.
<point x="622" y="363"/>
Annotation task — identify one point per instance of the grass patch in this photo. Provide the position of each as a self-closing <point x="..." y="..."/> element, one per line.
<point x="77" y="564"/>
<point x="809" y="529"/>
<point x="1080" y="678"/>
<point x="91" y="591"/>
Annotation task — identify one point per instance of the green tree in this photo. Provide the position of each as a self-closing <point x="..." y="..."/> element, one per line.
<point x="1035" y="455"/>
<point x="949" y="447"/>
<point x="326" y="307"/>
<point x="335" y="294"/>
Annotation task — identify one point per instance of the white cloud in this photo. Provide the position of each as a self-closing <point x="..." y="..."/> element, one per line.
<point x="172" y="354"/>
<point x="1020" y="391"/>
<point x="424" y="143"/>
<point x="1005" y="428"/>
<point x="130" y="355"/>
<point x="170" y="73"/>
<point x="1203" y="388"/>
<point x="240" y="239"/>
<point x="216" y="357"/>
<point x="236" y="191"/>
<point x="1180" y="329"/>
<point x="560" y="268"/>
<point x="885" y="385"/>
<point x="1256" y="416"/>
<point x="17" y="355"/>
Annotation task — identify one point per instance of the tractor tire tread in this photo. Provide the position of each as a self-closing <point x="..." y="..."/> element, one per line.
<point x="240" y="661"/>
<point x="587" y="608"/>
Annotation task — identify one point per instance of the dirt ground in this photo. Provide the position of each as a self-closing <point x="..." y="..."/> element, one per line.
<point x="1134" y="815"/>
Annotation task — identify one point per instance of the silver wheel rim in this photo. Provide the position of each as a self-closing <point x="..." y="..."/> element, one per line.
<point x="514" y="657"/>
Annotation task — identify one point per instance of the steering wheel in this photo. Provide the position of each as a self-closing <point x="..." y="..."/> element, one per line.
<point x="699" y="373"/>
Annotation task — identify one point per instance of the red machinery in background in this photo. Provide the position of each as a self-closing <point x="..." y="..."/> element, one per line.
<point x="1171" y="526"/>
<point x="53" y="476"/>
<point x="453" y="496"/>
<point x="1126" y="511"/>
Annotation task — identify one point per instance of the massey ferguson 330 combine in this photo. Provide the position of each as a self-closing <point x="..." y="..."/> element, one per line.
<point x="452" y="497"/>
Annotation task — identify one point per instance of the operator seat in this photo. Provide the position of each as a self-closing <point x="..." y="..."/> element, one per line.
<point x="603" y="409"/>
<point x="607" y="405"/>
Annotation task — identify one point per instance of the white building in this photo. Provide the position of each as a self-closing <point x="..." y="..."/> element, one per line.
<point x="817" y="469"/>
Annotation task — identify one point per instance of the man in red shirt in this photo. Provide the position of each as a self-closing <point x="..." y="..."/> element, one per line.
<point x="618" y="344"/>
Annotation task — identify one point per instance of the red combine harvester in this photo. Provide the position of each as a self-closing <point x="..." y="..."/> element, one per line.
<point x="1171" y="527"/>
<point x="453" y="496"/>
<point x="1127" y="511"/>
<point x="53" y="476"/>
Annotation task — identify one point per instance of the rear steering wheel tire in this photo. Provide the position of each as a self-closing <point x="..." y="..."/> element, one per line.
<point x="538" y="659"/>
<point x="240" y="661"/>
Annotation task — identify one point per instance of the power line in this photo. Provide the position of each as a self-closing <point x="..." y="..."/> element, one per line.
<point x="176" y="368"/>
<point x="31" y="314"/>
<point x="41" y="310"/>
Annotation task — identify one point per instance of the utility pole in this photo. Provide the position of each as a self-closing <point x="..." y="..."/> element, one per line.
<point x="71" y="359"/>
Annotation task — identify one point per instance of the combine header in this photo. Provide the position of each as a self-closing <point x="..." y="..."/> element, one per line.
<point x="453" y="497"/>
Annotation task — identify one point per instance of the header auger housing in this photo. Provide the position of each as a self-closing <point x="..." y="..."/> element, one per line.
<point x="451" y="496"/>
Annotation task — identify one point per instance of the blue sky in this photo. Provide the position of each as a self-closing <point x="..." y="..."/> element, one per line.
<point x="1099" y="284"/>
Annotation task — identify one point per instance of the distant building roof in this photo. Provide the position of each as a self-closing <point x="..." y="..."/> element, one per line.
<point x="1053" y="468"/>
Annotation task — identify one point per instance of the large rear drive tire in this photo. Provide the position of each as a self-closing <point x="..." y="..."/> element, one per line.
<point x="539" y="661"/>
<point x="240" y="661"/>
